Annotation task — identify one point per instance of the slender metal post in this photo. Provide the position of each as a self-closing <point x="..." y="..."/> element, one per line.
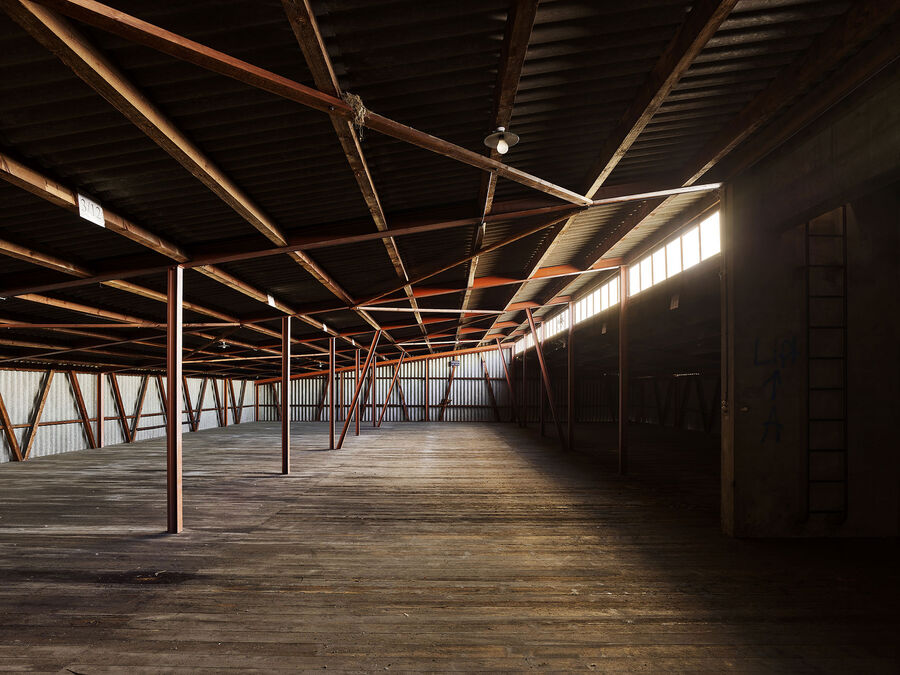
<point x="427" y="387"/>
<point x="331" y="393"/>
<point x="99" y="410"/>
<point x="523" y="422"/>
<point x="570" y="380"/>
<point x="374" y="391"/>
<point x="357" y="382"/>
<point x="174" y="406"/>
<point x="546" y="376"/>
<point x="286" y="395"/>
<point x="540" y="346"/>
<point x="370" y="357"/>
<point x="340" y="395"/>
<point x="225" y="382"/>
<point x="256" y="403"/>
<point x="623" y="369"/>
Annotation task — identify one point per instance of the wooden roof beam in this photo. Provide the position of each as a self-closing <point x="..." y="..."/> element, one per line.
<point x="306" y="30"/>
<point x="133" y="29"/>
<point x="698" y="27"/>
<point x="845" y="34"/>
<point x="519" y="24"/>
<point x="89" y="64"/>
<point x="45" y="187"/>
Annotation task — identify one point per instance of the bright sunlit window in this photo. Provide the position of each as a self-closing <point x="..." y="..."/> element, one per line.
<point x="698" y="243"/>
<point x="690" y="248"/>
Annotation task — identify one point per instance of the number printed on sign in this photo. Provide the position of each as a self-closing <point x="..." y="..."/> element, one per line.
<point x="91" y="210"/>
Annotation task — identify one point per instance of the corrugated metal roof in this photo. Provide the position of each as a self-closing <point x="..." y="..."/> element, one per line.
<point x="431" y="65"/>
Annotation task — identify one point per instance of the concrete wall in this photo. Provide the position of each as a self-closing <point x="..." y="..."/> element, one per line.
<point x="61" y="429"/>
<point x="844" y="168"/>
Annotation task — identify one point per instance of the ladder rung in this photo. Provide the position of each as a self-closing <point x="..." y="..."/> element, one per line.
<point x="826" y="389"/>
<point x="826" y="296"/>
<point x="827" y="419"/>
<point x="833" y="265"/>
<point x="828" y="327"/>
<point x="828" y="481"/>
<point x="834" y="236"/>
<point x="842" y="511"/>
<point x="825" y="358"/>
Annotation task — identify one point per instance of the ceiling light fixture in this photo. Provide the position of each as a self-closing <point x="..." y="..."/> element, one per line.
<point x="501" y="140"/>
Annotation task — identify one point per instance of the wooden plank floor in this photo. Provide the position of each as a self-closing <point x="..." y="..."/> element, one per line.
<point x="416" y="548"/>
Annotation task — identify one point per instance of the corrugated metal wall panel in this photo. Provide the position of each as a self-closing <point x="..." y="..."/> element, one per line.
<point x="61" y="429"/>
<point x="469" y="399"/>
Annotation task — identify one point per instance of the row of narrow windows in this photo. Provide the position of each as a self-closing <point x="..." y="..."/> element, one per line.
<point x="699" y="243"/>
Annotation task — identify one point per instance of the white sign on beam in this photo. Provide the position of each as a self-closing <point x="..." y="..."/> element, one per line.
<point x="90" y="210"/>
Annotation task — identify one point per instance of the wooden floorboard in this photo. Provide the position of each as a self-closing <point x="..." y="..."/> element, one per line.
<point x="438" y="547"/>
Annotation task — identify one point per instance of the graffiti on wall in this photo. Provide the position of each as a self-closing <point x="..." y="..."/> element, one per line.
<point x="782" y="355"/>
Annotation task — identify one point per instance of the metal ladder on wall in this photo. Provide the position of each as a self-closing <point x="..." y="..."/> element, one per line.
<point x="826" y="340"/>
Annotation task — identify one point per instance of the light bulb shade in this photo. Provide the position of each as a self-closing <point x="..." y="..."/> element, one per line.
<point x="501" y="138"/>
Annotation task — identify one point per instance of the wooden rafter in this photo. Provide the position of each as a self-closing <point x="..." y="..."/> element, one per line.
<point x="133" y="29"/>
<point x="43" y="186"/>
<point x="306" y="30"/>
<point x="89" y="64"/>
<point x="699" y="26"/>
<point x="519" y="24"/>
<point x="846" y="33"/>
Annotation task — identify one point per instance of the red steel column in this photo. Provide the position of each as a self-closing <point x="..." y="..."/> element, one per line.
<point x="540" y="345"/>
<point x="374" y="391"/>
<point x="286" y="395"/>
<point x="100" y="410"/>
<point x="331" y="393"/>
<point x="173" y="399"/>
<point x="570" y="382"/>
<point x="357" y="381"/>
<point x="524" y="421"/>
<point x="623" y="369"/>
<point x="427" y="387"/>
<point x="225" y="381"/>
